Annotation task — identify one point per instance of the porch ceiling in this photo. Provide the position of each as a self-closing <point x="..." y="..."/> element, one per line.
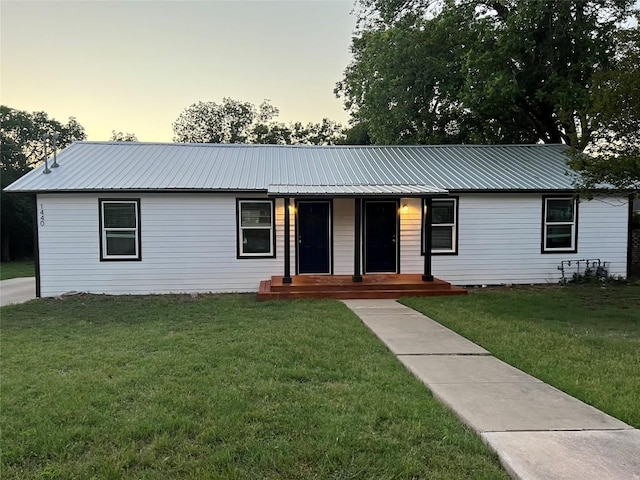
<point x="406" y="190"/>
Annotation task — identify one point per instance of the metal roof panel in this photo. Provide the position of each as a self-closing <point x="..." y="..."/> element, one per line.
<point x="369" y="189"/>
<point x="86" y="166"/>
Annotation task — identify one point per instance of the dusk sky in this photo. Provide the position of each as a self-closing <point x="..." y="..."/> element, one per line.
<point x="133" y="66"/>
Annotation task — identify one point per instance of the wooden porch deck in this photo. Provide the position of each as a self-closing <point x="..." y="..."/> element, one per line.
<point x="343" y="287"/>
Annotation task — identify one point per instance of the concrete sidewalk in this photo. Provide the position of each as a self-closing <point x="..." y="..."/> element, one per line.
<point x="538" y="431"/>
<point x="17" y="290"/>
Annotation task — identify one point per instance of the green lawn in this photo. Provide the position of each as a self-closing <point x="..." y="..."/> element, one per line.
<point x="216" y="387"/>
<point x="584" y="340"/>
<point x="20" y="268"/>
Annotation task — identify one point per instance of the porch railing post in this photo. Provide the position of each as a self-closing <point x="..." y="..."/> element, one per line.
<point x="287" y="243"/>
<point x="427" y="276"/>
<point x="357" y="247"/>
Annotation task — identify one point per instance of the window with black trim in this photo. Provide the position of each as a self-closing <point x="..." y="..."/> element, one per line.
<point x="120" y="229"/>
<point x="444" y="226"/>
<point x="256" y="230"/>
<point x="559" y="224"/>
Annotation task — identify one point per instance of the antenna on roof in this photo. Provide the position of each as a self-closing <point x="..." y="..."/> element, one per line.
<point x="45" y="136"/>
<point x="55" y="150"/>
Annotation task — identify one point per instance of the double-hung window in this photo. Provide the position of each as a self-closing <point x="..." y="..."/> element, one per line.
<point x="559" y="224"/>
<point x="256" y="232"/>
<point x="444" y="225"/>
<point x="119" y="229"/>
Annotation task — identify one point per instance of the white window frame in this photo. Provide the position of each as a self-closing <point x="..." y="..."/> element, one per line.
<point x="454" y="226"/>
<point x="240" y="228"/>
<point x="104" y="255"/>
<point x="574" y="226"/>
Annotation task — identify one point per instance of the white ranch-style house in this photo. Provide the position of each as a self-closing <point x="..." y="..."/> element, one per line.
<point x="140" y="218"/>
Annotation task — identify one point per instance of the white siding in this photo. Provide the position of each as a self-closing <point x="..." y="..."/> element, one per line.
<point x="189" y="243"/>
<point x="500" y="237"/>
<point x="410" y="236"/>
<point x="343" y="237"/>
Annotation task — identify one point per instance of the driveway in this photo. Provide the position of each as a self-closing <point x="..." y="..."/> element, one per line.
<point x="17" y="290"/>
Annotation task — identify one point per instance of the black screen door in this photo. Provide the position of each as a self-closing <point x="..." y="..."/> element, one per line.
<point x="380" y="230"/>
<point x="313" y="237"/>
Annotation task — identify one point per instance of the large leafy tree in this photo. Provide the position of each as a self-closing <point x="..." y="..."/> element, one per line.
<point x="21" y="148"/>
<point x="234" y="121"/>
<point x="613" y="157"/>
<point x="209" y="122"/>
<point x="474" y="71"/>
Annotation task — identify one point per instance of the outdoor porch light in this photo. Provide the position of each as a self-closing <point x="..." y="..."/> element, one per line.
<point x="405" y="208"/>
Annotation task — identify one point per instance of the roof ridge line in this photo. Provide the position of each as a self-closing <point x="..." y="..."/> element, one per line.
<point x="265" y="145"/>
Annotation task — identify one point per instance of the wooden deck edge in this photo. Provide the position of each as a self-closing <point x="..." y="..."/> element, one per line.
<point x="273" y="289"/>
<point x="329" y="282"/>
<point x="359" y="287"/>
<point x="359" y="294"/>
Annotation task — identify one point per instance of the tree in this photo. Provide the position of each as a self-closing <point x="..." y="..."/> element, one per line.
<point x="122" y="137"/>
<point x="21" y="148"/>
<point x="228" y="122"/>
<point x="357" y="134"/>
<point x="473" y="71"/>
<point x="613" y="158"/>
<point x="326" y="132"/>
<point x="234" y="121"/>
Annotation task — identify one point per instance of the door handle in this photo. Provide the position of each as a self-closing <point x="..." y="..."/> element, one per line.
<point x="393" y="239"/>
<point x="300" y="239"/>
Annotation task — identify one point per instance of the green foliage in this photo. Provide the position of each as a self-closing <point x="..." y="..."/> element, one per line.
<point x="208" y="122"/>
<point x="20" y="150"/>
<point x="217" y="387"/>
<point x="595" y="275"/>
<point x="635" y="219"/>
<point x="21" y="137"/>
<point x="234" y="121"/>
<point x="122" y="137"/>
<point x="17" y="269"/>
<point x="613" y="158"/>
<point x="617" y="166"/>
<point x="327" y="132"/>
<point x="357" y="134"/>
<point x="587" y="271"/>
<point x="475" y="71"/>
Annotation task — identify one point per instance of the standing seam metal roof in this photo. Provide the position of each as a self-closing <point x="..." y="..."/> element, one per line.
<point x="122" y="166"/>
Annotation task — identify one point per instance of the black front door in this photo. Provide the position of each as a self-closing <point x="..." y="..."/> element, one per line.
<point x="313" y="234"/>
<point x="380" y="230"/>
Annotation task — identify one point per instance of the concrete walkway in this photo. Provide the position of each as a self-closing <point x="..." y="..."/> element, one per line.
<point x="538" y="431"/>
<point x="17" y="290"/>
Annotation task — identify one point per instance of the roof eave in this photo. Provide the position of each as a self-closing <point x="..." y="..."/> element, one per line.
<point x="141" y="190"/>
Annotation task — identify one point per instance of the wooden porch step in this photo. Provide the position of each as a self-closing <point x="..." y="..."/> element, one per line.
<point x="358" y="294"/>
<point x="343" y="288"/>
<point x="265" y="288"/>
<point x="369" y="282"/>
<point x="356" y="286"/>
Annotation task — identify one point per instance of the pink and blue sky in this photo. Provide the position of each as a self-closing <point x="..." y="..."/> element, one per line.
<point x="133" y="66"/>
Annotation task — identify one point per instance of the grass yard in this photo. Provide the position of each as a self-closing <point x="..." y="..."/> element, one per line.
<point x="584" y="340"/>
<point x="216" y="387"/>
<point x="15" y="269"/>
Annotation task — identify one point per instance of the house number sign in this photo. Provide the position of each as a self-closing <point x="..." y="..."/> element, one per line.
<point x="41" y="213"/>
